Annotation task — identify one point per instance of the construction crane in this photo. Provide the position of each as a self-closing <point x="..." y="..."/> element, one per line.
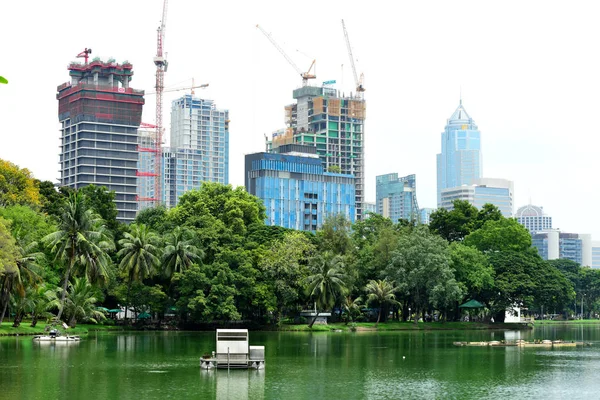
<point x="358" y="82"/>
<point x="161" y="67"/>
<point x="204" y="85"/>
<point x="305" y="75"/>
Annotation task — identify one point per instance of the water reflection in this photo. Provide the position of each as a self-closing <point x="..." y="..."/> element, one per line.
<point x="234" y="384"/>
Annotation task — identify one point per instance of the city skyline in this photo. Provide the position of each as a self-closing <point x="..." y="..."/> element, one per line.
<point x="531" y="91"/>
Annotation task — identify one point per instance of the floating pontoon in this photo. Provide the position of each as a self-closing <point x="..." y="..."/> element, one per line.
<point x="234" y="351"/>
<point x="55" y="336"/>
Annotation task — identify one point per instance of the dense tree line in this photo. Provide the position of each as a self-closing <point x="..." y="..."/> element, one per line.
<point x="64" y="256"/>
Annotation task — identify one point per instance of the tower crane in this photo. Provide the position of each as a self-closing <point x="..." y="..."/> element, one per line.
<point x="161" y="67"/>
<point x="305" y="75"/>
<point x="358" y="82"/>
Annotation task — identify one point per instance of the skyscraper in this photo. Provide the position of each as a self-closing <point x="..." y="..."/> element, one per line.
<point x="459" y="163"/>
<point x="553" y="244"/>
<point x="332" y="123"/>
<point x="397" y="197"/>
<point x="99" y="115"/>
<point x="295" y="188"/>
<point x="533" y="218"/>
<point x="199" y="149"/>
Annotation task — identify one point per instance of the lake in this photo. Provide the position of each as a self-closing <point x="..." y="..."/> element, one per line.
<point x="362" y="365"/>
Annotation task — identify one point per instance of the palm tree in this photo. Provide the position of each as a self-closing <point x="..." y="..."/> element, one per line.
<point x="351" y="307"/>
<point x="327" y="283"/>
<point x="25" y="274"/>
<point x="140" y="255"/>
<point x="382" y="293"/>
<point x="81" y="240"/>
<point x="21" y="303"/>
<point x="81" y="302"/>
<point x="180" y="252"/>
<point x="43" y="299"/>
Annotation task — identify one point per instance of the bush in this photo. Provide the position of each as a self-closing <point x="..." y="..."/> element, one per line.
<point x="110" y="322"/>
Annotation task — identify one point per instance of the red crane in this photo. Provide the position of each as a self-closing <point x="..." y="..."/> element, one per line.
<point x="161" y="67"/>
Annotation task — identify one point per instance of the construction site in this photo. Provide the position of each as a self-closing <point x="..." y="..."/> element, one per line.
<point x="329" y="120"/>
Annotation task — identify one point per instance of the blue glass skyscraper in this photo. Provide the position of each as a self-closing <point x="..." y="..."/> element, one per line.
<point x="397" y="197"/>
<point x="459" y="163"/>
<point x="295" y="188"/>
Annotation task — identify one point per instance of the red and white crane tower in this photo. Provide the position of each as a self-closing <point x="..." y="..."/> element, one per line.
<point x="161" y="67"/>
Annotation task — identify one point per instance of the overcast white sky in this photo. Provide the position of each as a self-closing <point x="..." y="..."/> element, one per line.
<point x="529" y="72"/>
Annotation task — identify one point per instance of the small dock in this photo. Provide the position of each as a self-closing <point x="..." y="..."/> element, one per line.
<point x="234" y="351"/>
<point x="549" y="344"/>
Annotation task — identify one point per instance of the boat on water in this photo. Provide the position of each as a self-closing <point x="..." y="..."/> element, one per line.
<point x="54" y="335"/>
<point x="234" y="351"/>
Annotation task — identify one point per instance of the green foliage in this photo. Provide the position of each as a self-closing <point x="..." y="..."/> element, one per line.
<point x="472" y="270"/>
<point x="327" y="282"/>
<point x="27" y="225"/>
<point x="381" y="293"/>
<point x="334" y="235"/>
<point x="155" y="218"/>
<point x="421" y="266"/>
<point x="180" y="252"/>
<point x="501" y="235"/>
<point x="17" y="186"/>
<point x="102" y="201"/>
<point x="80" y="304"/>
<point x="336" y="169"/>
<point x="454" y="225"/>
<point x="9" y="252"/>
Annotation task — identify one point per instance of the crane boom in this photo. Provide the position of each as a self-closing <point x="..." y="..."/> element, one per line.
<point x="358" y="82"/>
<point x="305" y="75"/>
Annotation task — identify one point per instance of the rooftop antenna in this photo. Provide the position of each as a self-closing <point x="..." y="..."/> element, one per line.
<point x="460" y="94"/>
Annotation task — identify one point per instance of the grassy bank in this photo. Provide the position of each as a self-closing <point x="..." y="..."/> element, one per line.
<point x="570" y="322"/>
<point x="401" y="326"/>
<point x="6" y="329"/>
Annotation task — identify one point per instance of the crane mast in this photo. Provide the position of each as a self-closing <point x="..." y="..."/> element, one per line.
<point x="161" y="67"/>
<point x="358" y="82"/>
<point x="305" y="75"/>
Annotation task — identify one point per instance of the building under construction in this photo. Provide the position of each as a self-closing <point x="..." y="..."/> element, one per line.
<point x="100" y="115"/>
<point x="333" y="123"/>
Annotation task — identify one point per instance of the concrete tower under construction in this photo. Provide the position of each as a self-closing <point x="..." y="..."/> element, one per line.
<point x="100" y="115"/>
<point x="334" y="124"/>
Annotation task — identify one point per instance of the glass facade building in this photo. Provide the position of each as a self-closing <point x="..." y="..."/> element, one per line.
<point x="199" y="149"/>
<point x="99" y="115"/>
<point x="459" y="163"/>
<point x="397" y="197"/>
<point x="533" y="218"/>
<point x="595" y="254"/>
<point x="553" y="244"/>
<point x="425" y="214"/>
<point x="296" y="190"/>
<point x="498" y="192"/>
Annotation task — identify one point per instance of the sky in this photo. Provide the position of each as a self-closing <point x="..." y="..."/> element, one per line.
<point x="529" y="73"/>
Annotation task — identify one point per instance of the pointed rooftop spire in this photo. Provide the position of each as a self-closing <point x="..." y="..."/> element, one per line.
<point x="460" y="113"/>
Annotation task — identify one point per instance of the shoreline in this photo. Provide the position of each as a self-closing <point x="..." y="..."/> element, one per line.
<point x="84" y="329"/>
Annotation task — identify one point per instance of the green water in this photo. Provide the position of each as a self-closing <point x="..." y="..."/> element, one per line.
<point x="388" y="365"/>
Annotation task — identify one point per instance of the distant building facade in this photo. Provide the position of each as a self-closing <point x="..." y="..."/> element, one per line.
<point x="533" y="218"/>
<point x="199" y="150"/>
<point x="295" y="188"/>
<point x="369" y="207"/>
<point x="596" y="254"/>
<point x="397" y="197"/>
<point x="425" y="215"/>
<point x="459" y="162"/>
<point x="498" y="192"/>
<point x="553" y="244"/>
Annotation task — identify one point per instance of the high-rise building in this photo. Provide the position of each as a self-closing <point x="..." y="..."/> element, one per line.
<point x="397" y="197"/>
<point x="498" y="192"/>
<point x="369" y="208"/>
<point x="533" y="218"/>
<point x="596" y="254"/>
<point x="199" y="149"/>
<point x="425" y="215"/>
<point x="295" y="188"/>
<point x="99" y="115"/>
<point x="459" y="163"/>
<point x="332" y="123"/>
<point x="553" y="244"/>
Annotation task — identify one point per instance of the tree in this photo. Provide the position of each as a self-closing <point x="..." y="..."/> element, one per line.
<point x="501" y="235"/>
<point x="381" y="292"/>
<point x="43" y="299"/>
<point x="285" y="267"/>
<point x="472" y="269"/>
<point x="335" y="169"/>
<point x="334" y="235"/>
<point x="26" y="224"/>
<point x="102" y="201"/>
<point x="155" y="218"/>
<point x="180" y="252"/>
<point x="9" y="255"/>
<point x="454" y="225"/>
<point x="52" y="198"/>
<point x="140" y="255"/>
<point x="80" y="241"/>
<point x="420" y="266"/>
<point x="17" y="186"/>
<point x="488" y="212"/>
<point x="81" y="302"/>
<point x="326" y="284"/>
